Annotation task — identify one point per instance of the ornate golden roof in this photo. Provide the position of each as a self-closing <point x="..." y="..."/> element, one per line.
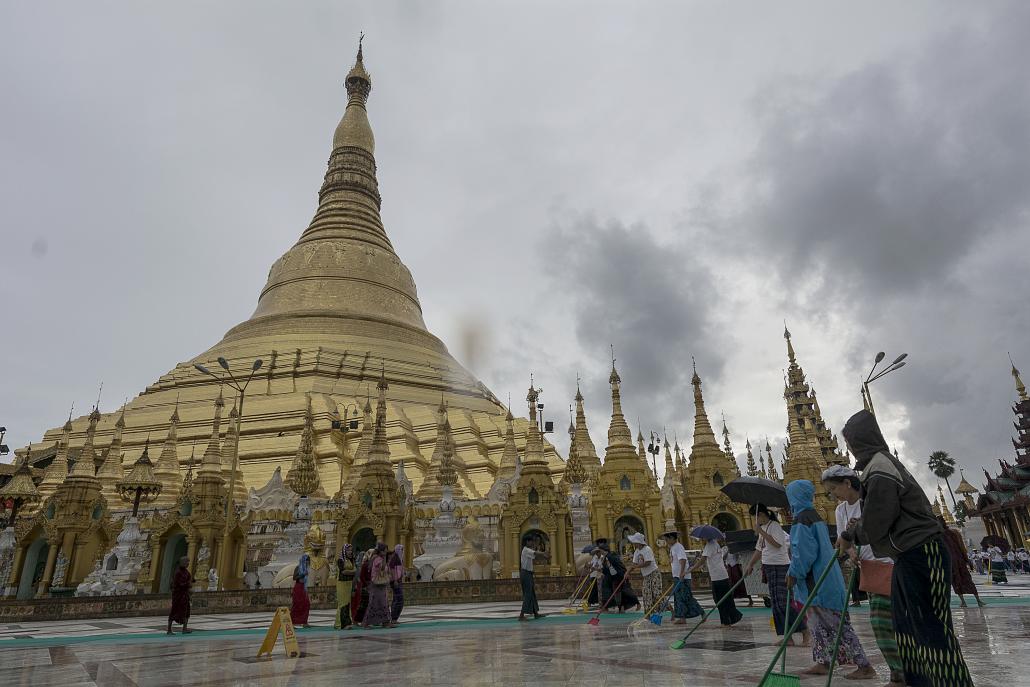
<point x="303" y="475"/>
<point x="21" y="488"/>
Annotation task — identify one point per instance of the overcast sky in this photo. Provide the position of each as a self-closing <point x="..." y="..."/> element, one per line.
<point x="674" y="179"/>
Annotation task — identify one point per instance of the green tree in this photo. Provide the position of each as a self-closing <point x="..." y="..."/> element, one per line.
<point x="943" y="465"/>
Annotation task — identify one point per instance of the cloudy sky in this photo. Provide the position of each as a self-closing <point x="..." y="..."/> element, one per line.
<point x="673" y="179"/>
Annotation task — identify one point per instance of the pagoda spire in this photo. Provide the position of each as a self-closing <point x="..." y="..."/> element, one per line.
<point x="166" y="470"/>
<point x="443" y="450"/>
<point x="57" y="471"/>
<point x="303" y="476"/>
<point x="752" y="469"/>
<point x="86" y="465"/>
<point x="510" y="456"/>
<point x="771" y="471"/>
<point x="584" y="445"/>
<point x="670" y="467"/>
<point x="229" y="448"/>
<point x="534" y="462"/>
<point x="380" y="451"/>
<point x="1020" y="388"/>
<point x="620" y="440"/>
<point x="726" y="447"/>
<point x="703" y="434"/>
<point x="111" y="471"/>
<point x="211" y="461"/>
<point x="790" y="346"/>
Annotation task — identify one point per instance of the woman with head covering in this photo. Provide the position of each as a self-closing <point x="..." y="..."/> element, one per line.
<point x="344" y="584"/>
<point x="396" y="565"/>
<point x="362" y="580"/>
<point x="644" y="561"/>
<point x="898" y="521"/>
<point x="378" y="612"/>
<point x="772" y="551"/>
<point x="811" y="553"/>
<point x="617" y="589"/>
<point x="712" y="555"/>
<point x="842" y="482"/>
<point x="301" y="604"/>
<point x="182" y="582"/>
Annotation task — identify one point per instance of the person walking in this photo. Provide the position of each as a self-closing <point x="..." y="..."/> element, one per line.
<point x="843" y="483"/>
<point x="378" y="612"/>
<point x="644" y="561"/>
<point x="897" y="521"/>
<point x="772" y="552"/>
<point x="961" y="580"/>
<point x="344" y="587"/>
<point x="362" y="582"/>
<point x="527" y="559"/>
<point x="998" y="572"/>
<point x="684" y="604"/>
<point x="811" y="553"/>
<point x="736" y="571"/>
<point x="397" y="583"/>
<point x="712" y="556"/>
<point x="182" y="585"/>
<point x="596" y="567"/>
<point x="300" y="605"/>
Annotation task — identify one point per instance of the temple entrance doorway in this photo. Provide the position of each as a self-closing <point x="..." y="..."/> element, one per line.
<point x="625" y="526"/>
<point x="725" y="522"/>
<point x="174" y="549"/>
<point x="32" y="570"/>
<point x="363" y="540"/>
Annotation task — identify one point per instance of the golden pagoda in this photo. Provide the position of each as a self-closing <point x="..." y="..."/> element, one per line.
<point x="709" y="468"/>
<point x="752" y="467"/>
<point x="805" y="405"/>
<point x="623" y="495"/>
<point x="967" y="491"/>
<point x="337" y="307"/>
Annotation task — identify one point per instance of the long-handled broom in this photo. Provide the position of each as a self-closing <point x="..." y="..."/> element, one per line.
<point x="682" y="642"/>
<point x="648" y="614"/>
<point x="782" y="679"/>
<point x="596" y="620"/>
<point x="570" y="610"/>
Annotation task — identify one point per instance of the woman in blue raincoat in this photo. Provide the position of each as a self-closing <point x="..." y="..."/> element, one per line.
<point x="811" y="551"/>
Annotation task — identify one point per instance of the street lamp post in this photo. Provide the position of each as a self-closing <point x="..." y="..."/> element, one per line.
<point x="241" y="389"/>
<point x="873" y="375"/>
<point x="654" y="448"/>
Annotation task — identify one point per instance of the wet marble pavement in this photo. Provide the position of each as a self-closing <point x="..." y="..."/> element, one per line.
<point x="468" y="644"/>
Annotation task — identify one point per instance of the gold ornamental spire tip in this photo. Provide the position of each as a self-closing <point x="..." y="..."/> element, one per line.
<point x="1020" y="388"/>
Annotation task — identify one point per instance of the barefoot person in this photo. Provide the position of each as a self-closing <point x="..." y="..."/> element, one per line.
<point x="182" y="582"/>
<point x="772" y="551"/>
<point x="300" y="605"/>
<point x="811" y="552"/>
<point x="644" y="561"/>
<point x="711" y="556"/>
<point x="684" y="604"/>
<point x="897" y="521"/>
<point x="530" y="552"/>
<point x="344" y="587"/>
<point x="961" y="580"/>
<point x="843" y="484"/>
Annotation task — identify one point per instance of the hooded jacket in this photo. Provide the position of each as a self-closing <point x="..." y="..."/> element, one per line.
<point x="896" y="515"/>
<point x="811" y="551"/>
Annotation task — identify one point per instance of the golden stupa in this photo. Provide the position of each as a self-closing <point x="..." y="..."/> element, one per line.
<point x="339" y="310"/>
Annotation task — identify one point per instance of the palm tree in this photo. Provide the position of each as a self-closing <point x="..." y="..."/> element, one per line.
<point x="943" y="465"/>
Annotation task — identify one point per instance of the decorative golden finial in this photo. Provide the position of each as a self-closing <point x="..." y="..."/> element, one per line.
<point x="695" y="380"/>
<point x="303" y="475"/>
<point x="790" y="346"/>
<point x="358" y="81"/>
<point x="1020" y="389"/>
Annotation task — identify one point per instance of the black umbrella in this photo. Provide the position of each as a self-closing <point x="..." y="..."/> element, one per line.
<point x="754" y="490"/>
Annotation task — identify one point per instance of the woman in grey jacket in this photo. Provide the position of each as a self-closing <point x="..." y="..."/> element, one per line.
<point x="897" y="521"/>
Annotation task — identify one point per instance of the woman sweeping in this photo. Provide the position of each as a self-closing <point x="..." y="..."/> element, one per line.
<point x="773" y="553"/>
<point x="344" y="584"/>
<point x="182" y="582"/>
<point x="397" y="583"/>
<point x="378" y="612"/>
<point x="897" y="521"/>
<point x="842" y="483"/>
<point x="961" y="580"/>
<point x="644" y="561"/>
<point x="301" y="604"/>
<point x="811" y="552"/>
<point x="712" y="555"/>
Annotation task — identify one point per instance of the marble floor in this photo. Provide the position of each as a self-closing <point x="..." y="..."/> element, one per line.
<point x="466" y="644"/>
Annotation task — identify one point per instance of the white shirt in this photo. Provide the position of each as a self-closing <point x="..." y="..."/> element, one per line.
<point x="678" y="553"/>
<point x="770" y="554"/>
<point x="644" y="557"/>
<point x="844" y="513"/>
<point x="995" y="553"/>
<point x="526" y="560"/>
<point x="713" y="556"/>
<point x="595" y="566"/>
<point x="1011" y="556"/>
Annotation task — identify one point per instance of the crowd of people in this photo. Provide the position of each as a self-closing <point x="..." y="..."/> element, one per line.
<point x="898" y="555"/>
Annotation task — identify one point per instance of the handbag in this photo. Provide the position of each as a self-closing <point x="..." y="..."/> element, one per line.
<point x="876" y="577"/>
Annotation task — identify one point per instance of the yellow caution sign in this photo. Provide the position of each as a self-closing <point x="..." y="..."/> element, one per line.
<point x="281" y="622"/>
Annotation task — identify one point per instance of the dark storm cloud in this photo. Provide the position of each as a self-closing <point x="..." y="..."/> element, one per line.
<point x="896" y="197"/>
<point x="651" y="300"/>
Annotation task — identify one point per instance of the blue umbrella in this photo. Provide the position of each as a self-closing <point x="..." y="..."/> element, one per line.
<point x="706" y="532"/>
